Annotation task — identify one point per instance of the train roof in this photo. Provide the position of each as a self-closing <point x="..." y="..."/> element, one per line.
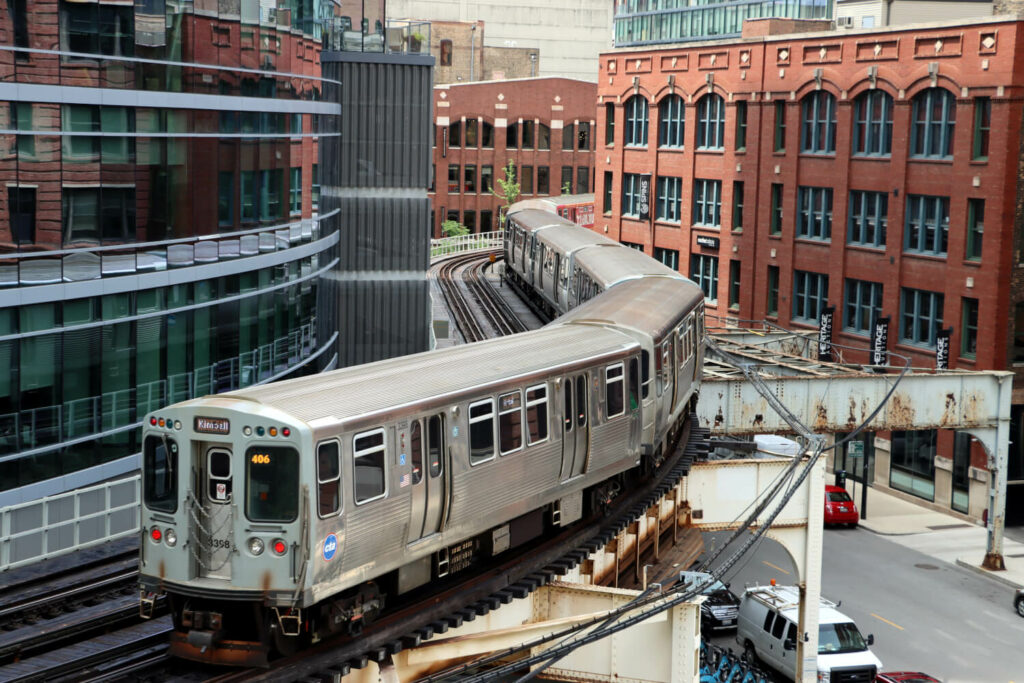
<point x="610" y="266"/>
<point x="641" y="305"/>
<point x="442" y="375"/>
<point x="531" y="219"/>
<point x="551" y="203"/>
<point x="565" y="238"/>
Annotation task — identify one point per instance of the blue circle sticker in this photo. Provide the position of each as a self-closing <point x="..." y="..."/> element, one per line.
<point x="330" y="546"/>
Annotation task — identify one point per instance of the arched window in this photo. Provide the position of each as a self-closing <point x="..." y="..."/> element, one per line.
<point x="487" y="135"/>
<point x="636" y="121"/>
<point x="818" y="123"/>
<point x="446" y="52"/>
<point x="934" y="118"/>
<point x="710" y="122"/>
<point x="455" y="134"/>
<point x="471" y="133"/>
<point x="872" y="124"/>
<point x="543" y="136"/>
<point x="671" y="121"/>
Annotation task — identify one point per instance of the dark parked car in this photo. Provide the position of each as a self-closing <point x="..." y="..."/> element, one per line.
<point x="718" y="612"/>
<point x="1018" y="601"/>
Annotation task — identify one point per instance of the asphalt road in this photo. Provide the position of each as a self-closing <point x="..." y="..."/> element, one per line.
<point x="926" y="615"/>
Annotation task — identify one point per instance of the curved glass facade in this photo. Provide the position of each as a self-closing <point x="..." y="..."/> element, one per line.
<point x="160" y="228"/>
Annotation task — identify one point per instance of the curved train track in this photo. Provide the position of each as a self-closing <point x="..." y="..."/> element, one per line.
<point x="467" y="293"/>
<point x="134" y="651"/>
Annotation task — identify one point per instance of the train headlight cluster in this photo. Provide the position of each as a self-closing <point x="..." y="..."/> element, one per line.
<point x="256" y="546"/>
<point x="165" y="423"/>
<point x="266" y="431"/>
<point x="279" y="546"/>
<point x="168" y="536"/>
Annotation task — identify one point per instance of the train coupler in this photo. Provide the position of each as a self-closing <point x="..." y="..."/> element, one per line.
<point x="147" y="602"/>
<point x="290" y="623"/>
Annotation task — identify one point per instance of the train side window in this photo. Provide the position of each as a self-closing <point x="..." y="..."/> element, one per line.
<point x="328" y="478"/>
<point x="218" y="471"/>
<point x="481" y="431"/>
<point x="581" y="402"/>
<point x="567" y="406"/>
<point x="434" y="443"/>
<point x="645" y="373"/>
<point x="510" y="422"/>
<point x="537" y="414"/>
<point x="416" y="451"/>
<point x="634" y="381"/>
<point x="159" y="470"/>
<point x="368" y="451"/>
<point x="613" y="390"/>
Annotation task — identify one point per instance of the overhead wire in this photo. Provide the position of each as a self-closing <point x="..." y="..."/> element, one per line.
<point x="607" y="624"/>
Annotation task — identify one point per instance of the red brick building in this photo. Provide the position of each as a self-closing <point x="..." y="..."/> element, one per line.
<point x="873" y="171"/>
<point x="544" y="125"/>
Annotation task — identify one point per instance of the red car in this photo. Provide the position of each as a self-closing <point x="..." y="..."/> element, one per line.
<point x="905" y="677"/>
<point x="839" y="507"/>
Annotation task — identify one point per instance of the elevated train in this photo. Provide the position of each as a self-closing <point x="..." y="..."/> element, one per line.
<point x="283" y="513"/>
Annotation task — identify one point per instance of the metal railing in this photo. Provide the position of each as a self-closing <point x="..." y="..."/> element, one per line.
<point x="61" y="524"/>
<point x="449" y="246"/>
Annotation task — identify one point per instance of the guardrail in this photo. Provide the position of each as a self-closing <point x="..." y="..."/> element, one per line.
<point x="481" y="241"/>
<point x="58" y="525"/>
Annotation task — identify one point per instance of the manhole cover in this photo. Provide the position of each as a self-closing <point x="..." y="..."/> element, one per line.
<point x="926" y="566"/>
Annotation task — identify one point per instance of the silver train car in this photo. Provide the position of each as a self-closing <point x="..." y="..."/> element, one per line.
<point x="277" y="515"/>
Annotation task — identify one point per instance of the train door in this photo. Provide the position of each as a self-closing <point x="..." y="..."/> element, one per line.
<point x="575" y="423"/>
<point x="672" y="364"/>
<point x="211" y="515"/>
<point x="427" y="455"/>
<point x="437" y="471"/>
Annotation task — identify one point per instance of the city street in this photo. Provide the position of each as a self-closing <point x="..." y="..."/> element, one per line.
<point x="926" y="614"/>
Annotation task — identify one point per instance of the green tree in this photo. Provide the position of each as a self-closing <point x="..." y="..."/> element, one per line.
<point x="509" y="189"/>
<point x="452" y="228"/>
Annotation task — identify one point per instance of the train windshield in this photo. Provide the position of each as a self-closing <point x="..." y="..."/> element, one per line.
<point x="271" y="484"/>
<point x="159" y="468"/>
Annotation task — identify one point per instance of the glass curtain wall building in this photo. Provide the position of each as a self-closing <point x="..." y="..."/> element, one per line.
<point x="161" y="235"/>
<point x="651" y="22"/>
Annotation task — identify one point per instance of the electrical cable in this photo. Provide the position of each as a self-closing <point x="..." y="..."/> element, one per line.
<point x="810" y="440"/>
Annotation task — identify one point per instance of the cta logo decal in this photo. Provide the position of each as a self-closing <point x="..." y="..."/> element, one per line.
<point x="330" y="546"/>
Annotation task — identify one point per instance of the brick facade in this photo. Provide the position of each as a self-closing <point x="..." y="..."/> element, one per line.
<point x="974" y="62"/>
<point x="551" y="103"/>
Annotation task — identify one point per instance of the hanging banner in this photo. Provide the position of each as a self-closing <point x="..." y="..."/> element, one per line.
<point x="645" y="197"/>
<point x="825" y="333"/>
<point x="942" y="349"/>
<point x="880" y="342"/>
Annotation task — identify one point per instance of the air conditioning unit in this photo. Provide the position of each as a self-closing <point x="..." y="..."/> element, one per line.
<point x="844" y="21"/>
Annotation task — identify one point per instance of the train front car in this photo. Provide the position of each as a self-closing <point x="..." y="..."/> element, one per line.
<point x="222" y="522"/>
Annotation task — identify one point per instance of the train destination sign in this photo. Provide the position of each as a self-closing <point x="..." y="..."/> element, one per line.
<point x="211" y="425"/>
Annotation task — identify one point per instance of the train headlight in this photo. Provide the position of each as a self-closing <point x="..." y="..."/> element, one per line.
<point x="256" y="546"/>
<point x="279" y="546"/>
<point x="170" y="538"/>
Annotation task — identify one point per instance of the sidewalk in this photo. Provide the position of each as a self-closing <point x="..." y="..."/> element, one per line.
<point x="939" y="535"/>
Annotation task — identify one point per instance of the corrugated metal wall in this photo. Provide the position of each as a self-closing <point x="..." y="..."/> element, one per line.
<point x="376" y="172"/>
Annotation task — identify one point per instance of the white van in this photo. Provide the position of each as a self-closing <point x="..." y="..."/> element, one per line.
<point x="767" y="630"/>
